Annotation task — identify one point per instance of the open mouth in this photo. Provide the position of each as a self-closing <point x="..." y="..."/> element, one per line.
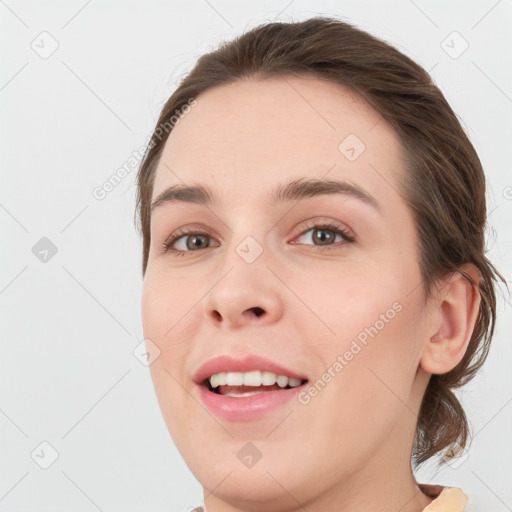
<point x="235" y="391"/>
<point x="246" y="390"/>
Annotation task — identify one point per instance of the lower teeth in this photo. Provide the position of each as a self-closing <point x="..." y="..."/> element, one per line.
<point x="249" y="393"/>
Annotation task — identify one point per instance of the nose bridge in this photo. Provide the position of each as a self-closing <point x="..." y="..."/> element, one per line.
<point x="247" y="243"/>
<point x="244" y="290"/>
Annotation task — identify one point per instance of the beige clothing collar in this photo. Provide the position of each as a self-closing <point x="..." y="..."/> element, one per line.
<point x="446" y="499"/>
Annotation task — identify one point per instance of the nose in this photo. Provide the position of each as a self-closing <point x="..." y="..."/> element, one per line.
<point x="245" y="294"/>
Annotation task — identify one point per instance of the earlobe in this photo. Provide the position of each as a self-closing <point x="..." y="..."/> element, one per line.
<point x="454" y="312"/>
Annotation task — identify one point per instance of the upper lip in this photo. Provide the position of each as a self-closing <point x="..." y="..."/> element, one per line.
<point x="226" y="363"/>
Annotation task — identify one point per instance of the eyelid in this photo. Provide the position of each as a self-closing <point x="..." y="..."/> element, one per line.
<point x="330" y="225"/>
<point x="346" y="238"/>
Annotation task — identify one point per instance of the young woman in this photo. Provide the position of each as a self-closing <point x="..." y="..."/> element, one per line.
<point x="315" y="280"/>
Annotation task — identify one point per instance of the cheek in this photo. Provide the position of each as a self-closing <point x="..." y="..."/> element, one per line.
<point x="369" y="319"/>
<point x="342" y="301"/>
<point x="161" y="313"/>
<point x="371" y="387"/>
<point x="152" y="305"/>
<point x="165" y="305"/>
<point x="390" y="342"/>
<point x="166" y="324"/>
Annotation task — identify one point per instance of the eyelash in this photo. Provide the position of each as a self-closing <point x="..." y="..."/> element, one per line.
<point x="336" y="229"/>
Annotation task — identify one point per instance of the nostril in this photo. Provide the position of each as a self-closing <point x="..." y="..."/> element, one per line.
<point x="258" y="311"/>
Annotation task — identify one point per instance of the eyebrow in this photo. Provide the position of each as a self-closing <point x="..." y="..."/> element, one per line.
<point x="295" y="190"/>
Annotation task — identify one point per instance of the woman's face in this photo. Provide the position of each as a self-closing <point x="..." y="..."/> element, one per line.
<point x="256" y="274"/>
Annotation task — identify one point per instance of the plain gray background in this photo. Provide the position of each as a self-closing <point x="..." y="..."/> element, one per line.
<point x="81" y="86"/>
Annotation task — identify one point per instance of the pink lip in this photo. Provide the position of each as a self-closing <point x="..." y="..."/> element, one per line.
<point x="227" y="363"/>
<point x="249" y="407"/>
<point x="245" y="408"/>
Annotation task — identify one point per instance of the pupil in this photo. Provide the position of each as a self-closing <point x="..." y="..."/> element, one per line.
<point x="323" y="240"/>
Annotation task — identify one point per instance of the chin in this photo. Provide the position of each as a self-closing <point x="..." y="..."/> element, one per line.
<point x="244" y="488"/>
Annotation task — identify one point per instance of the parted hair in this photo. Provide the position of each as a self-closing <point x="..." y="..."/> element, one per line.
<point x="443" y="182"/>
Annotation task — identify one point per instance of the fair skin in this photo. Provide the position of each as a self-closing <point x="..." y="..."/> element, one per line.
<point x="349" y="448"/>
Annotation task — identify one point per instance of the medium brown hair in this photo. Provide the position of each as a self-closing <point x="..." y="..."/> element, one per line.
<point x="443" y="183"/>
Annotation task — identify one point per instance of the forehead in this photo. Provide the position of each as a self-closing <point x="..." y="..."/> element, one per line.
<point x="245" y="137"/>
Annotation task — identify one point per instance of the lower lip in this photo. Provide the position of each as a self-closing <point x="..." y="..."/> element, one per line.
<point x="246" y="407"/>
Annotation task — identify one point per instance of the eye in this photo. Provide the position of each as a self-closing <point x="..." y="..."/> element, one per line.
<point x="186" y="241"/>
<point x="324" y="235"/>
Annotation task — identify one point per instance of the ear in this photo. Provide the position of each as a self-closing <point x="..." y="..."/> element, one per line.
<point x="453" y="312"/>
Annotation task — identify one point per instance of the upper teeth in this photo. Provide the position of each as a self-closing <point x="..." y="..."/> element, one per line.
<point x="254" y="378"/>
